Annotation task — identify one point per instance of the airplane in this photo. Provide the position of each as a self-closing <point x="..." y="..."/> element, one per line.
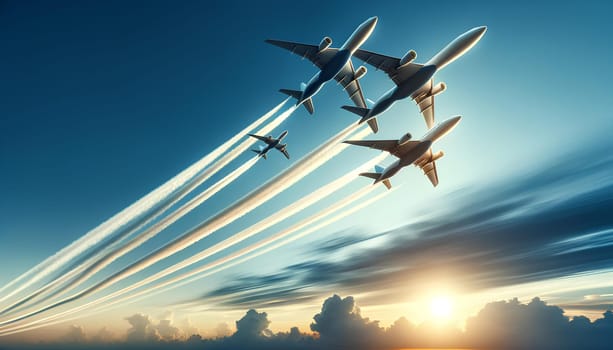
<point x="334" y="63"/>
<point x="270" y="144"/>
<point x="414" y="79"/>
<point x="418" y="152"/>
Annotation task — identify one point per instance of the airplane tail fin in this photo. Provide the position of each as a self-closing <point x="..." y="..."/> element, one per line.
<point x="363" y="113"/>
<point x="376" y="175"/>
<point x="259" y="152"/>
<point x="297" y="94"/>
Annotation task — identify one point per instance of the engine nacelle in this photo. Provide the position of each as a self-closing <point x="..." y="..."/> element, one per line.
<point x="406" y="137"/>
<point x="438" y="155"/>
<point x="325" y="43"/>
<point x="407" y="58"/>
<point x="437" y="89"/>
<point x="360" y="72"/>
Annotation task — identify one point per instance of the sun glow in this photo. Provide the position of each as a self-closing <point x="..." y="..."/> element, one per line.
<point x="441" y="307"/>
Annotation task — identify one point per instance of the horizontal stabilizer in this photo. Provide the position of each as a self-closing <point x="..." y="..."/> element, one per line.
<point x="308" y="104"/>
<point x="297" y="94"/>
<point x="376" y="176"/>
<point x="362" y="112"/>
<point x="387" y="184"/>
<point x="259" y="152"/>
<point x="371" y="175"/>
<point x="373" y="125"/>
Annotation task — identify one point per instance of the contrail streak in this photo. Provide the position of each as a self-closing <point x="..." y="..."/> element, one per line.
<point x="105" y="229"/>
<point x="313" y="223"/>
<point x="259" y="226"/>
<point x="281" y="182"/>
<point x="101" y="262"/>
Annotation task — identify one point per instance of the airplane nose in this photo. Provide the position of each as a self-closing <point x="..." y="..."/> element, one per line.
<point x="372" y="21"/>
<point x="479" y="31"/>
<point x="455" y="120"/>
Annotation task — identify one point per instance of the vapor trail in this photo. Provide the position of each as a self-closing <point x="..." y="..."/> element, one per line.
<point x="277" y="217"/>
<point x="105" y="229"/>
<point x="204" y="270"/>
<point x="92" y="266"/>
<point x="279" y="183"/>
<point x="259" y="226"/>
<point x="201" y="272"/>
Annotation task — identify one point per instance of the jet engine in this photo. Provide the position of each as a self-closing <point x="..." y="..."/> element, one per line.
<point x="437" y="89"/>
<point x="407" y="58"/>
<point x="436" y="156"/>
<point x="360" y="72"/>
<point x="325" y="43"/>
<point x="406" y="137"/>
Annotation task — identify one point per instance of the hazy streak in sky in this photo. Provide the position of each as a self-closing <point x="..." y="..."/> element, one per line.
<point x="204" y="270"/>
<point x="100" y="261"/>
<point x="105" y="229"/>
<point x="259" y="226"/>
<point x="260" y="195"/>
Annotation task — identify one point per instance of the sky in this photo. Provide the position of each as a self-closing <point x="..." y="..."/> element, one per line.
<point x="102" y="102"/>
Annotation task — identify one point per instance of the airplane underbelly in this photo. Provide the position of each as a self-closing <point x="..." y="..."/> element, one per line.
<point x="335" y="65"/>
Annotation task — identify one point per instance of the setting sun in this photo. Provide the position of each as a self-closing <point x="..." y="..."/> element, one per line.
<point x="441" y="307"/>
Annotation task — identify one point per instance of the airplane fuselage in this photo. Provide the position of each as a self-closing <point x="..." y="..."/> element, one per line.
<point x="412" y="155"/>
<point x="405" y="159"/>
<point x="272" y="143"/>
<point x="402" y="91"/>
<point x="340" y="59"/>
<point x="414" y="82"/>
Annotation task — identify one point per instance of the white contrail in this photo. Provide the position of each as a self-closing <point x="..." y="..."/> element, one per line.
<point x="259" y="226"/>
<point x="101" y="262"/>
<point x="313" y="223"/>
<point x="274" y="186"/>
<point x="105" y="229"/>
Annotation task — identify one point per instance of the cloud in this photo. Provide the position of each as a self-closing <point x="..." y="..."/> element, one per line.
<point x="536" y="325"/>
<point x="223" y="330"/>
<point x="550" y="223"/>
<point x="340" y="324"/>
<point x="252" y="325"/>
<point x="76" y="334"/>
<point x="142" y="329"/>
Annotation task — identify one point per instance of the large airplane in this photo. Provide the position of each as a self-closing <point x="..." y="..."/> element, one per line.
<point x="414" y="79"/>
<point x="334" y="63"/>
<point x="271" y="143"/>
<point x="418" y="152"/>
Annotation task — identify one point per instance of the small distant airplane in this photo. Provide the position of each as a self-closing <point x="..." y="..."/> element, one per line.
<point x="418" y="152"/>
<point x="270" y="144"/>
<point x="414" y="79"/>
<point x="333" y="64"/>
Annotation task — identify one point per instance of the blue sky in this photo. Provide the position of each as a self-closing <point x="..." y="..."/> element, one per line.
<point x="103" y="102"/>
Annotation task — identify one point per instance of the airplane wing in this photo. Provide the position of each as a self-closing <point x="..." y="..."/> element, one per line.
<point x="425" y="104"/>
<point x="352" y="86"/>
<point x="310" y="52"/>
<point x="388" y="64"/>
<point x="285" y="153"/>
<point x="261" y="138"/>
<point x="428" y="168"/>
